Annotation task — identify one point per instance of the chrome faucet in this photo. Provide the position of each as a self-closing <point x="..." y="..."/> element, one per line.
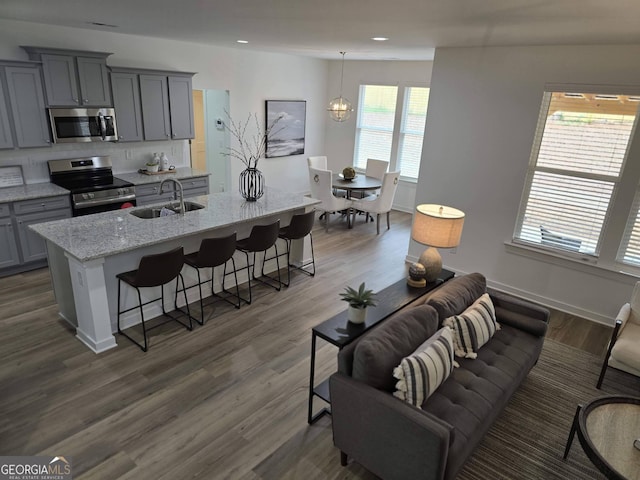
<point x="180" y="191"/>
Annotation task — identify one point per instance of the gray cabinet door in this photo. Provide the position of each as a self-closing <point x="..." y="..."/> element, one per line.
<point x="27" y="106"/>
<point x="60" y="80"/>
<point x="6" y="141"/>
<point x="181" y="105"/>
<point x="94" y="82"/>
<point x="195" y="186"/>
<point x="32" y="245"/>
<point x="148" y="193"/>
<point x="8" y="247"/>
<point x="154" y="96"/>
<point x="126" y="102"/>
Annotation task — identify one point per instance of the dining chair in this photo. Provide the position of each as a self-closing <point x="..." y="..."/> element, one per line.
<point x="319" y="162"/>
<point x="320" y="184"/>
<point x="154" y="270"/>
<point x="376" y="169"/>
<point x="380" y="204"/>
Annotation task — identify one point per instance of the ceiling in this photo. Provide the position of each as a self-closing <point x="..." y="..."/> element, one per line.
<point x="321" y="29"/>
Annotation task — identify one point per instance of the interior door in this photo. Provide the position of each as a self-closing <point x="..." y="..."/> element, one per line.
<point x="199" y="142"/>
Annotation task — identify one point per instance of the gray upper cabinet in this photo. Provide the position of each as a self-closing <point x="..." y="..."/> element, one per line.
<point x="73" y="78"/>
<point x="28" y="111"/>
<point x="60" y="80"/>
<point x="181" y="107"/>
<point x="6" y="140"/>
<point x="94" y="81"/>
<point x="154" y="95"/>
<point x="166" y="103"/>
<point x="126" y="102"/>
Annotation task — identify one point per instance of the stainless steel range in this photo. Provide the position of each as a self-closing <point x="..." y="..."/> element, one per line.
<point x="93" y="187"/>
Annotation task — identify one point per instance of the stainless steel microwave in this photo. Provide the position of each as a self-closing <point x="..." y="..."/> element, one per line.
<point x="73" y="125"/>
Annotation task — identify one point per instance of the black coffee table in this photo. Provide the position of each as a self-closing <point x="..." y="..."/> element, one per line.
<point x="340" y="332"/>
<point x="607" y="428"/>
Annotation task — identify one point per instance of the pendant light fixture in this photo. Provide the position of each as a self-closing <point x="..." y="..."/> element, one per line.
<point x="340" y="108"/>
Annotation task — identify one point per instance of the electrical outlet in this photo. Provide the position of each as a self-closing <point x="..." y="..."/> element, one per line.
<point x="221" y="187"/>
<point x="127" y="154"/>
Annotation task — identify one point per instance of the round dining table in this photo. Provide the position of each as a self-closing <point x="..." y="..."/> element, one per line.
<point x="360" y="183"/>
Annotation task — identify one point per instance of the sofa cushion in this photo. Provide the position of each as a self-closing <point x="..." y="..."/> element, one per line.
<point x="382" y="349"/>
<point x="422" y="372"/>
<point x="474" y="327"/>
<point x="474" y="395"/>
<point x="456" y="295"/>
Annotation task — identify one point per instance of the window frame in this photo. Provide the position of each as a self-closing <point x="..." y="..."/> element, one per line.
<point x="394" y="161"/>
<point x="620" y="208"/>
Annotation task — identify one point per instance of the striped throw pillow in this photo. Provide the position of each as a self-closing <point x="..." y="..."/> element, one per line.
<point x="422" y="372"/>
<point x="474" y="327"/>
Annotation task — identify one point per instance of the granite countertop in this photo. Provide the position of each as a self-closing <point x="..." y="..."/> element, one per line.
<point x="180" y="173"/>
<point x="31" y="190"/>
<point x="100" y="235"/>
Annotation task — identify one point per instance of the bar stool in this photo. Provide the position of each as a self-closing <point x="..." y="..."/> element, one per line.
<point x="155" y="271"/>
<point x="261" y="239"/>
<point x="299" y="227"/>
<point x="214" y="252"/>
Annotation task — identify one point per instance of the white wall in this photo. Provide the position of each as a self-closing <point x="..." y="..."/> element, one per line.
<point x="340" y="142"/>
<point x="482" y="116"/>
<point x="250" y="77"/>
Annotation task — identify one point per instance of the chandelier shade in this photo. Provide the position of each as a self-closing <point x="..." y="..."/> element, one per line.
<point x="340" y="108"/>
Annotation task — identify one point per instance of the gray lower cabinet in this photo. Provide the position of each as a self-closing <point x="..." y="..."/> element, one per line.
<point x="23" y="249"/>
<point x="148" y="193"/>
<point x="126" y="102"/>
<point x="9" y="255"/>
<point x="191" y="187"/>
<point x="27" y="108"/>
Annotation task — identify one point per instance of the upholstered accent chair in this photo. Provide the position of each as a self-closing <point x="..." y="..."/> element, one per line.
<point x="624" y="347"/>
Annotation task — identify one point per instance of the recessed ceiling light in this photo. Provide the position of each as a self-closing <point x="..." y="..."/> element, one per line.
<point x="380" y="39"/>
<point x="242" y="41"/>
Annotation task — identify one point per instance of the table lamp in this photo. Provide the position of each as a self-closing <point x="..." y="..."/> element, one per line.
<point x="438" y="227"/>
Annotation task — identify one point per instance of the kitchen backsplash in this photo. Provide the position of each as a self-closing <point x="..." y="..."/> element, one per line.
<point x="126" y="157"/>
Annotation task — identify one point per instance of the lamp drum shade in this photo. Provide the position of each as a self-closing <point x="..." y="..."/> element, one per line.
<point x="437" y="226"/>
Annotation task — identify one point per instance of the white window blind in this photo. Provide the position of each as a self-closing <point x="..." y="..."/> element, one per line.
<point x="629" y="252"/>
<point x="376" y="118"/>
<point x="414" y="116"/>
<point x="576" y="163"/>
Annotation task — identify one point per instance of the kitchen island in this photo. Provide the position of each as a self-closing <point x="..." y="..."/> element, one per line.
<point x="86" y="253"/>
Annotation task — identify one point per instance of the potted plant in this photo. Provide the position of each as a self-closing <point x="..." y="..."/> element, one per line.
<point x="358" y="301"/>
<point x="154" y="164"/>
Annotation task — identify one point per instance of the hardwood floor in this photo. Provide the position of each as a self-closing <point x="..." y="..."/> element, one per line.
<point x="227" y="400"/>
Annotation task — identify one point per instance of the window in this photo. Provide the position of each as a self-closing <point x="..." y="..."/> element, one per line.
<point x="376" y="132"/>
<point x="376" y="117"/>
<point x="577" y="166"/>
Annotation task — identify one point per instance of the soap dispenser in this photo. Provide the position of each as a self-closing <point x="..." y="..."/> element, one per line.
<point x="164" y="161"/>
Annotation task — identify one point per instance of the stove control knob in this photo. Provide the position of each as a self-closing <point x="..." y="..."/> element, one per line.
<point x="85" y="196"/>
<point x="91" y="195"/>
<point x="121" y="192"/>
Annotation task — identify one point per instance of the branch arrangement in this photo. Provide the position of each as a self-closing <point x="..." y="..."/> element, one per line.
<point x="252" y="148"/>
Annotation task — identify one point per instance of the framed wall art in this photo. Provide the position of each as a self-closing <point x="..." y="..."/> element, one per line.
<point x="287" y="135"/>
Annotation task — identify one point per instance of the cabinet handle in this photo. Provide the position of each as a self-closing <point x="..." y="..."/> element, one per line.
<point x="85" y="100"/>
<point x="75" y="100"/>
<point x="174" y="135"/>
<point x="120" y="137"/>
<point x="44" y="205"/>
<point x="167" y="135"/>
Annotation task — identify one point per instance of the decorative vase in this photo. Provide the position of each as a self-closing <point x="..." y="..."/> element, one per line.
<point x="356" y="315"/>
<point x="251" y="184"/>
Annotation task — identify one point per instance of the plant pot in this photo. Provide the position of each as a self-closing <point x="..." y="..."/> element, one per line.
<point x="356" y="315"/>
<point x="251" y="184"/>
<point x="152" y="168"/>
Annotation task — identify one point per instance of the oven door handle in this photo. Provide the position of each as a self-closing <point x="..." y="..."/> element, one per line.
<point x="103" y="201"/>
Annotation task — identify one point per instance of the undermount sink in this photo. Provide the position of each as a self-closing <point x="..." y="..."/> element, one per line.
<point x="154" y="212"/>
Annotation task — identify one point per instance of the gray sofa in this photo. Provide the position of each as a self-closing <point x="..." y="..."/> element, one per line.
<point x="396" y="440"/>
